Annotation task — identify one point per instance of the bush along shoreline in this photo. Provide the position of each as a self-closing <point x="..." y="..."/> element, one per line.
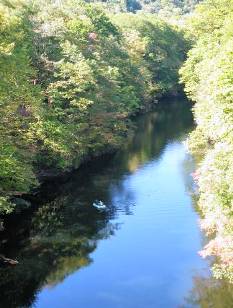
<point x="71" y="76"/>
<point x="208" y="78"/>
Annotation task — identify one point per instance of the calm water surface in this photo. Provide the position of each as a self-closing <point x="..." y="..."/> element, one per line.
<point x="140" y="251"/>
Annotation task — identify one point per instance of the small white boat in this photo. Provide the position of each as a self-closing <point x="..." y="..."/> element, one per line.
<point x="99" y="205"/>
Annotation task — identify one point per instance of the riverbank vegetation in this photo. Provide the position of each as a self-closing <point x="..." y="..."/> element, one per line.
<point x="162" y="8"/>
<point x="73" y="73"/>
<point x="70" y="78"/>
<point x="208" y="79"/>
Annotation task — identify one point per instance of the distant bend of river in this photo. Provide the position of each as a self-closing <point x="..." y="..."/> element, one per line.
<point x="121" y="232"/>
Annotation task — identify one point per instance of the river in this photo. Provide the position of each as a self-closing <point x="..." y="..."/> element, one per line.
<point x="121" y="232"/>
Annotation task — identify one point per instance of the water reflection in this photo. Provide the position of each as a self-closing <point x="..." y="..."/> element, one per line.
<point x="206" y="291"/>
<point x="209" y="292"/>
<point x="60" y="233"/>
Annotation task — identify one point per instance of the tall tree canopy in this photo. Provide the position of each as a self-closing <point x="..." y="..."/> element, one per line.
<point x="70" y="78"/>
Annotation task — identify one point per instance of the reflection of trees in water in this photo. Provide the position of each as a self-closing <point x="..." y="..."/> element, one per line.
<point x="154" y="131"/>
<point x="56" y="242"/>
<point x="207" y="292"/>
<point x="188" y="168"/>
<point x="56" y="237"/>
<point x="210" y="293"/>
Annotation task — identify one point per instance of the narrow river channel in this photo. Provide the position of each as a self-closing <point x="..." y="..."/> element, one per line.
<point x="121" y="232"/>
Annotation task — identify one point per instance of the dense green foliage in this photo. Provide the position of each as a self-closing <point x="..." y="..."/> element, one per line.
<point x="71" y="76"/>
<point x="19" y="102"/>
<point x="168" y="6"/>
<point x="208" y="78"/>
<point x="156" y="48"/>
<point x="70" y="79"/>
<point x="161" y="7"/>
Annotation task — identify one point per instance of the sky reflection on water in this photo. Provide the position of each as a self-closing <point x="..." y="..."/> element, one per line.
<point x="139" y="252"/>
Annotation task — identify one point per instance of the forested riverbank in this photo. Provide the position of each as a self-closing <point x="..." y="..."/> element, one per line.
<point x="70" y="78"/>
<point x="208" y="79"/>
<point x="73" y="74"/>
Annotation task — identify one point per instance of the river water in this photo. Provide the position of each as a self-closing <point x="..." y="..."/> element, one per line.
<point x="140" y="249"/>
